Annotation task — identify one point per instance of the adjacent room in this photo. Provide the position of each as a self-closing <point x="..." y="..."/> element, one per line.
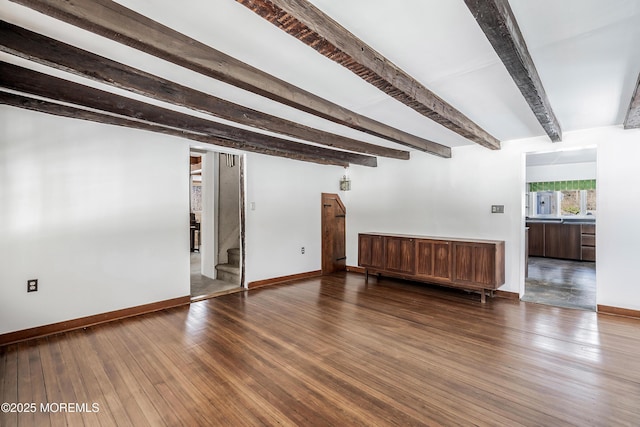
<point x="561" y="194"/>
<point x="309" y="212"/>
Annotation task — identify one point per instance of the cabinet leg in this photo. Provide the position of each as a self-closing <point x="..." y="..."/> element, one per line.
<point x="483" y="296"/>
<point x="366" y="275"/>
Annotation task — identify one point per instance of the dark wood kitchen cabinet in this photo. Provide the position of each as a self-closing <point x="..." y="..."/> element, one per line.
<point x="588" y="248"/>
<point x="468" y="264"/>
<point x="536" y="238"/>
<point x="561" y="240"/>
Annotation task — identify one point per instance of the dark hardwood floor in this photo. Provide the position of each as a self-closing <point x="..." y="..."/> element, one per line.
<point x="334" y="351"/>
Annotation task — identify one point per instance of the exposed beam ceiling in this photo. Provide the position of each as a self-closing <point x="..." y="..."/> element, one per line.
<point x="310" y="25"/>
<point x="47" y="51"/>
<point x="632" y="120"/>
<point x="496" y="19"/>
<point x="74" y="112"/>
<point x="35" y="83"/>
<point x="118" y="23"/>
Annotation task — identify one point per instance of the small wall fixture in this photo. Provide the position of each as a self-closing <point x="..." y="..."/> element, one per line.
<point x="345" y="182"/>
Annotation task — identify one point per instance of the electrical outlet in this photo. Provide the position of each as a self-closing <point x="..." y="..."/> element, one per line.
<point x="32" y="285"/>
<point x="302" y="250"/>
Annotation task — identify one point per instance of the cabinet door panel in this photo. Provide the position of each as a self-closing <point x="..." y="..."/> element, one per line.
<point x="371" y="251"/>
<point x="484" y="264"/>
<point x="433" y="259"/>
<point x="536" y="238"/>
<point x="588" y="240"/>
<point x="475" y="263"/>
<point x="562" y="241"/>
<point x="463" y="262"/>
<point x="377" y="252"/>
<point x="588" y="253"/>
<point x="364" y="250"/>
<point x="424" y="258"/>
<point x="400" y="254"/>
<point x="442" y="260"/>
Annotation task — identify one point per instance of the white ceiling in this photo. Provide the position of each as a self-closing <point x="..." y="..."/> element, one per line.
<point x="587" y="53"/>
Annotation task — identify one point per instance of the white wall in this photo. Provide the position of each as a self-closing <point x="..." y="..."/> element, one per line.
<point x="287" y="215"/>
<point x="563" y="172"/>
<point x="452" y="198"/>
<point x="618" y="229"/>
<point x="97" y="213"/>
<point x="442" y="198"/>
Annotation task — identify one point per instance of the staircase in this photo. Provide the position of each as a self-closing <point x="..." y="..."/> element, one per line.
<point x="230" y="272"/>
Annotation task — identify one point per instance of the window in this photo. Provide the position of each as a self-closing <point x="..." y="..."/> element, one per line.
<point x="563" y="198"/>
<point x="578" y="202"/>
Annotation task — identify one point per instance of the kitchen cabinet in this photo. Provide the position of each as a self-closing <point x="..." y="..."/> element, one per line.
<point x="562" y="240"/>
<point x="588" y="248"/>
<point x="536" y="238"/>
<point x="468" y="264"/>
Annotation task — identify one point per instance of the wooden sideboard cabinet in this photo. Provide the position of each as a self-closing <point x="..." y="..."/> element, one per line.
<point x="468" y="264"/>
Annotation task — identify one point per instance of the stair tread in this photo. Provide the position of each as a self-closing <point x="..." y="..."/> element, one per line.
<point x="229" y="268"/>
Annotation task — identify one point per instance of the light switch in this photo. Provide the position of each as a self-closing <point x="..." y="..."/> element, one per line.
<point x="497" y="208"/>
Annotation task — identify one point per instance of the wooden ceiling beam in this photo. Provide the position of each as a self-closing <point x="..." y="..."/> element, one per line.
<point x="23" y="80"/>
<point x="313" y="27"/>
<point x="496" y="19"/>
<point x="116" y="22"/>
<point x="75" y="112"/>
<point x="632" y="120"/>
<point x="45" y="50"/>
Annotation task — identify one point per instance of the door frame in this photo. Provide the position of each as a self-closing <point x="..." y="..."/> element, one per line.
<point x="210" y="188"/>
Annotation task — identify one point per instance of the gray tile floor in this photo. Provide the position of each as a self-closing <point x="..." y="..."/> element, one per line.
<point x="562" y="283"/>
<point x="205" y="287"/>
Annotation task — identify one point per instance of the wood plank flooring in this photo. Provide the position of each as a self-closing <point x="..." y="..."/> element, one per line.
<point x="334" y="351"/>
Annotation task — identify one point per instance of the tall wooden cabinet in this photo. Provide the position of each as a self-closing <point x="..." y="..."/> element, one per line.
<point x="468" y="264"/>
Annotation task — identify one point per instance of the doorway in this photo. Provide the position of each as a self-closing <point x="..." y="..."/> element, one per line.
<point x="561" y="211"/>
<point x="216" y="184"/>
<point x="334" y="213"/>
